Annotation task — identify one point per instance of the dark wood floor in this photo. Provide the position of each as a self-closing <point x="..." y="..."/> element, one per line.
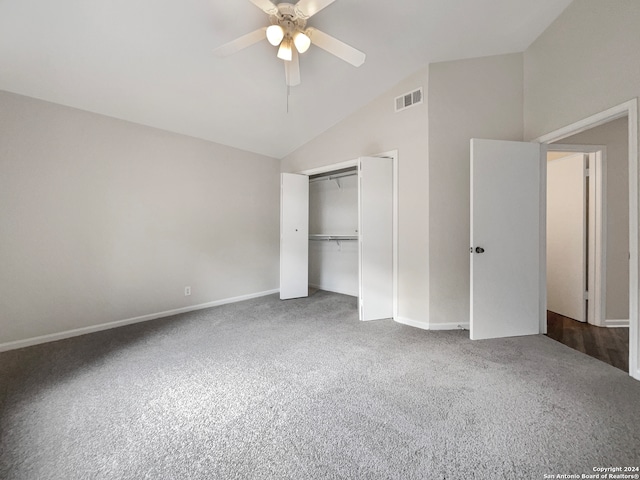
<point x="611" y="345"/>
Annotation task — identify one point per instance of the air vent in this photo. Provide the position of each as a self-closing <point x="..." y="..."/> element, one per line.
<point x="409" y="99"/>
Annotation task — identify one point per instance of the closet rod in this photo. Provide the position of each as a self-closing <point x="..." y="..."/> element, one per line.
<point x="334" y="176"/>
<point x="332" y="237"/>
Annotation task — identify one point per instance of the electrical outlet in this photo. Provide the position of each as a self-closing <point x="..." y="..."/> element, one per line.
<point x="187" y="291"/>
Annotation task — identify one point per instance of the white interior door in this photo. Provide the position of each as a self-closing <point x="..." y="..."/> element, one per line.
<point x="566" y="236"/>
<point x="505" y="239"/>
<point x="375" y="199"/>
<point x="294" y="236"/>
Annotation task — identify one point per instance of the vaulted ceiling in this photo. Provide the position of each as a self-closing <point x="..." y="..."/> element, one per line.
<point x="152" y="61"/>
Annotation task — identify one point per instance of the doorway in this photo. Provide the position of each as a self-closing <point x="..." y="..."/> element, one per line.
<point x="568" y="245"/>
<point x="498" y="276"/>
<point x="587" y="230"/>
<point x="618" y="260"/>
<point x="576" y="231"/>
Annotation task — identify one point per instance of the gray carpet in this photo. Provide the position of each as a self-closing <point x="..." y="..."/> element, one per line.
<point x="301" y="389"/>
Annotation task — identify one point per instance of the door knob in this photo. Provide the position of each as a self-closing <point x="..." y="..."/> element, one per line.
<point x="479" y="250"/>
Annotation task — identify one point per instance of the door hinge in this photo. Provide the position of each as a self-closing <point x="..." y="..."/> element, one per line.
<point x="587" y="171"/>
<point x="586" y="296"/>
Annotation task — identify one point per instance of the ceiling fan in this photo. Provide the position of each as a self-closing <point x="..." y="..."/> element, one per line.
<point x="289" y="32"/>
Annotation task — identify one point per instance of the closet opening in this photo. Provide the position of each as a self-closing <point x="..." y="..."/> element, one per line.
<point x="333" y="231"/>
<point x="338" y="232"/>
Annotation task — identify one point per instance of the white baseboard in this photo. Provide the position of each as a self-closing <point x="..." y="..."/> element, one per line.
<point x="449" y="326"/>
<point x="52" y="337"/>
<point x="616" y="323"/>
<point x="412" y="323"/>
<point x="431" y="326"/>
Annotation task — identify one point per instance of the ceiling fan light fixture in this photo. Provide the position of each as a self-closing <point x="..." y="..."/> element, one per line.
<point x="289" y="32"/>
<point x="301" y="41"/>
<point x="284" y="52"/>
<point x="275" y="34"/>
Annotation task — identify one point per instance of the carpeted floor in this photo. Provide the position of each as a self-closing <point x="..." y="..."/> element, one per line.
<point x="301" y="389"/>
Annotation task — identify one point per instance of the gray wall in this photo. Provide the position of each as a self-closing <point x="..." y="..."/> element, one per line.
<point x="584" y="63"/>
<point x="103" y="220"/>
<point x="615" y="136"/>
<point x="476" y="98"/>
<point x="374" y="129"/>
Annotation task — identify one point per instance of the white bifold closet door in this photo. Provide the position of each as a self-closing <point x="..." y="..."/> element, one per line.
<point x="375" y="218"/>
<point x="375" y="231"/>
<point x="294" y="236"/>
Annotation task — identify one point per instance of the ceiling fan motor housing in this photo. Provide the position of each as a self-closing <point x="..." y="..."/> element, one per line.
<point x="289" y="19"/>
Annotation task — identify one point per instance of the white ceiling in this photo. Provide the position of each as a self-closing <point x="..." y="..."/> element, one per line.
<point x="151" y="61"/>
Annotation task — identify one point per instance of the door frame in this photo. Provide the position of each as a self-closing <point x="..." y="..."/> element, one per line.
<point x="627" y="109"/>
<point x="393" y="155"/>
<point x="597" y="233"/>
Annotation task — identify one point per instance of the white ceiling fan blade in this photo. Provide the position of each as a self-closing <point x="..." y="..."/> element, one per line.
<point x="336" y="47"/>
<point x="241" y="43"/>
<point x="266" y="6"/>
<point x="292" y="70"/>
<point x="307" y="8"/>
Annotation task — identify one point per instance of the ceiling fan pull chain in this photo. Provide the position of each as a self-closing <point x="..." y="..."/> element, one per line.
<point x="288" y="93"/>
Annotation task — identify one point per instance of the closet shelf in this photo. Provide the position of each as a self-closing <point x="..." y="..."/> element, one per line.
<point x="332" y="237"/>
